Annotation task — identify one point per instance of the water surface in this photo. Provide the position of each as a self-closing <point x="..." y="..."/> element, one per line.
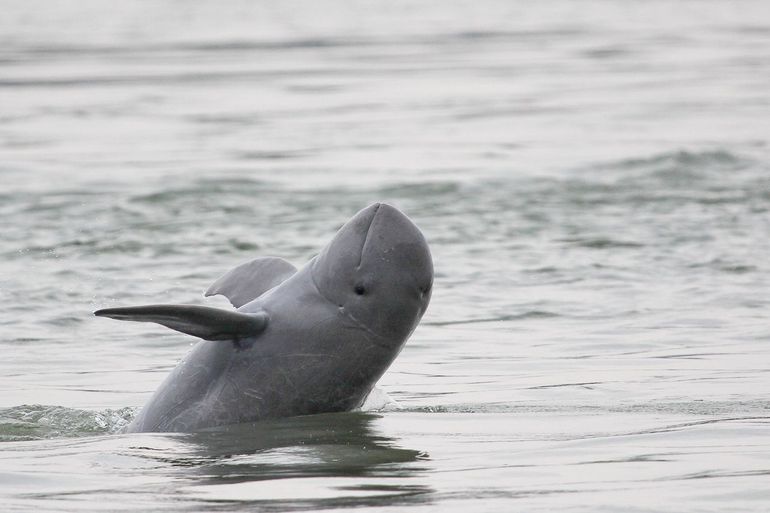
<point x="593" y="179"/>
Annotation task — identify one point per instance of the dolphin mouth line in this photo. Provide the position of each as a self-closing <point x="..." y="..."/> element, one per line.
<point x="368" y="232"/>
<point x="372" y="337"/>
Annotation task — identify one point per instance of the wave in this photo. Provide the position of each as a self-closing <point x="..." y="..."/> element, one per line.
<point x="40" y="421"/>
<point x="37" y="422"/>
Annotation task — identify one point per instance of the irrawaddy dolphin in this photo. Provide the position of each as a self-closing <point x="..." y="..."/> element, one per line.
<point x="300" y="341"/>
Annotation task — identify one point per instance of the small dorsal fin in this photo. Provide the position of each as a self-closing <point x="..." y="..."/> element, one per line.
<point x="200" y="321"/>
<point x="250" y="280"/>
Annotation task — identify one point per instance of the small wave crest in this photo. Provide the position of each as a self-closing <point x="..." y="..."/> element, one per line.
<point x="37" y="422"/>
<point x="682" y="169"/>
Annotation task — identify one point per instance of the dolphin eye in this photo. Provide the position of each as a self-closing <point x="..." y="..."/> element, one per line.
<point x="359" y="289"/>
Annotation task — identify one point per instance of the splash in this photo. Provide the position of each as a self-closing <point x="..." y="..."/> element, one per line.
<point x="37" y="422"/>
<point x="378" y="400"/>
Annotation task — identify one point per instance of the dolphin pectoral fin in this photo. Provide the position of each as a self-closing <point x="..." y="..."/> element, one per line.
<point x="199" y="321"/>
<point x="250" y="280"/>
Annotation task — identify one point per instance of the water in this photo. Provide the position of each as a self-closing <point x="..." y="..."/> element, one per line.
<point x="593" y="179"/>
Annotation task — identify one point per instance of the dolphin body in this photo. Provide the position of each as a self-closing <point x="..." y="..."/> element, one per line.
<point x="300" y="342"/>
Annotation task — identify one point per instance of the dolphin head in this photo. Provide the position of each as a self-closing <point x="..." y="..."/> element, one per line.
<point x="379" y="272"/>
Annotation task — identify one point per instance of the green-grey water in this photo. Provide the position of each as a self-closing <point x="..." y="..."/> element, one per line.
<point x="593" y="178"/>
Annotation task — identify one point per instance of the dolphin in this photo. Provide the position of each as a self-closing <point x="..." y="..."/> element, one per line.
<point x="300" y="342"/>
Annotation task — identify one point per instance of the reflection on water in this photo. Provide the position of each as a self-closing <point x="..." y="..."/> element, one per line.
<point x="334" y="459"/>
<point x="328" y="444"/>
<point x="320" y="461"/>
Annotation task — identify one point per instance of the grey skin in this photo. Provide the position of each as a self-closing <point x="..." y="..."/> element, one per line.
<point x="300" y="342"/>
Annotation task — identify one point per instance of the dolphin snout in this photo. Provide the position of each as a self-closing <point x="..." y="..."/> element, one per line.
<point x="390" y="223"/>
<point x="392" y="236"/>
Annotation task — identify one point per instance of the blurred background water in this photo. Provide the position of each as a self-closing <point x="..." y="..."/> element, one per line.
<point x="593" y="178"/>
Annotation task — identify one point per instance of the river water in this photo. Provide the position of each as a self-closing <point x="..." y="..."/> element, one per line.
<point x="593" y="178"/>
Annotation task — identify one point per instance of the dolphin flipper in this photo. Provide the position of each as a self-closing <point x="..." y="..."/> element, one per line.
<point x="250" y="280"/>
<point x="200" y="321"/>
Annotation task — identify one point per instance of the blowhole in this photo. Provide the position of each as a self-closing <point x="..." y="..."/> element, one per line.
<point x="359" y="289"/>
